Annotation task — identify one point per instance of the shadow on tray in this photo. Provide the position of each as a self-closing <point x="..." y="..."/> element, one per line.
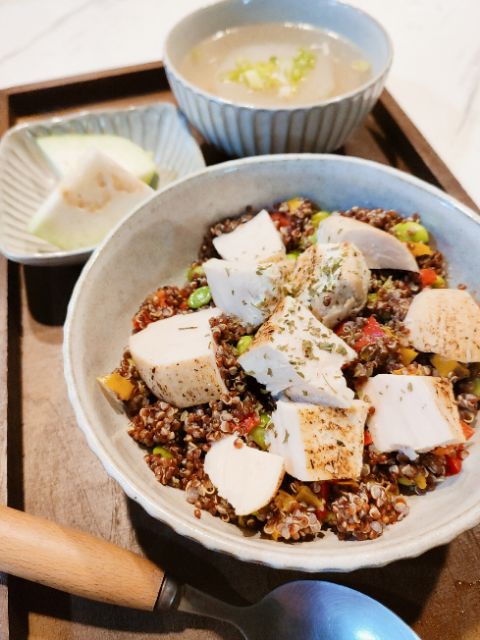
<point x="48" y="292"/>
<point x="404" y="586"/>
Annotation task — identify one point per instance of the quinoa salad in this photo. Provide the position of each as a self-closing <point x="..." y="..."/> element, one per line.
<point x="314" y="372"/>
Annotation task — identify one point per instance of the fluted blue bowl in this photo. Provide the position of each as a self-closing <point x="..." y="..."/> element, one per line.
<point x="245" y="130"/>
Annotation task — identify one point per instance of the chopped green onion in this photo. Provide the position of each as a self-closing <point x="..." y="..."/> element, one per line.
<point x="274" y="73"/>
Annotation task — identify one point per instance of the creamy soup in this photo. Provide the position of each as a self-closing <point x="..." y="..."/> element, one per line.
<point x="274" y="63"/>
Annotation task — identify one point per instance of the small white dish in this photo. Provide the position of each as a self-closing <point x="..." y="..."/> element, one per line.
<point x="155" y="245"/>
<point x="26" y="176"/>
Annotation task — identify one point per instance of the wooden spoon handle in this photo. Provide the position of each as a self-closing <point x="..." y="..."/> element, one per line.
<point x="76" y="562"/>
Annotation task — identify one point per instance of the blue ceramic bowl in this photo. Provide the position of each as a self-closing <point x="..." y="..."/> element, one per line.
<point x="245" y="130"/>
<point x="155" y="245"/>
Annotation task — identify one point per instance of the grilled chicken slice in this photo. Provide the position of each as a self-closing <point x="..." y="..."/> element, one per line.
<point x="446" y="322"/>
<point x="319" y="443"/>
<point x="380" y="249"/>
<point x="412" y="413"/>
<point x="176" y="359"/>
<point x="332" y="280"/>
<point x="294" y="352"/>
<point x="247" y="290"/>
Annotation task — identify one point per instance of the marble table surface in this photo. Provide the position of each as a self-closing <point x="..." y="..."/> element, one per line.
<point x="435" y="76"/>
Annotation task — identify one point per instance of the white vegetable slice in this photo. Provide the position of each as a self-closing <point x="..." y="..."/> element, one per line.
<point x="412" y="413"/>
<point x="446" y="322"/>
<point x="255" y="240"/>
<point x="88" y="202"/>
<point x="294" y="352"/>
<point x="319" y="443"/>
<point x="332" y="280"/>
<point x="65" y="150"/>
<point x="380" y="249"/>
<point x="247" y="290"/>
<point x="246" y="477"/>
<point x="176" y="359"/>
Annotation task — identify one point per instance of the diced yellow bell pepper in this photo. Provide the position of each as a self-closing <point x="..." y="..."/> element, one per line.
<point x="446" y="367"/>
<point x="419" y="249"/>
<point x="120" y="386"/>
<point x="294" y="203"/>
<point x="407" y="355"/>
<point x="421" y="481"/>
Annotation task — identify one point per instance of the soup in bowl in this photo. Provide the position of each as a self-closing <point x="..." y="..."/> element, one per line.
<point x="272" y="76"/>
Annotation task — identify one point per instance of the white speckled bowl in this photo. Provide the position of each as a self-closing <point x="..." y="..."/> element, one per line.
<point x="243" y="130"/>
<point x="26" y="176"/>
<point x="154" y="246"/>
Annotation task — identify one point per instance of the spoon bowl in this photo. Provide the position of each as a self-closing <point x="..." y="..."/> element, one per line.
<point x="305" y="610"/>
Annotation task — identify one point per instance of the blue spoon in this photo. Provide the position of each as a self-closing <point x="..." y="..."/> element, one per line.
<point x="301" y="610"/>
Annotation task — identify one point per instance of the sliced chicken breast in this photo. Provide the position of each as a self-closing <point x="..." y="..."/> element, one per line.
<point x="332" y="280"/>
<point x="446" y="322"/>
<point x="255" y="240"/>
<point x="176" y="359"/>
<point x="380" y="249"/>
<point x="316" y="442"/>
<point x="247" y="290"/>
<point x="246" y="477"/>
<point x="412" y="413"/>
<point x="294" y="352"/>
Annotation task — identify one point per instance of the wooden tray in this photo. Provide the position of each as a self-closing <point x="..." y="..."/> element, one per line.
<point x="47" y="469"/>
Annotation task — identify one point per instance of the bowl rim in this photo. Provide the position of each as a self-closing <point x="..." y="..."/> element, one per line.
<point x="300" y="557"/>
<point x="383" y="71"/>
<point x="77" y="256"/>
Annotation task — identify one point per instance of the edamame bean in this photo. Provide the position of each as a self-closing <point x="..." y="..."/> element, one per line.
<point x="410" y="232"/>
<point x="199" y="298"/>
<point x="161" y="451"/>
<point x="318" y="217"/>
<point x="244" y="344"/>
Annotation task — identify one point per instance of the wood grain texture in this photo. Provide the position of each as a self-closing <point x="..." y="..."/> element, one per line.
<point x="73" y="561"/>
<point x="53" y="473"/>
<point x="3" y="430"/>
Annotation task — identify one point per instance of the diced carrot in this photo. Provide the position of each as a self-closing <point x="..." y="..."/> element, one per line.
<point x="468" y="430"/>
<point x="367" y="438"/>
<point x="280" y="219"/>
<point x="427" y="277"/>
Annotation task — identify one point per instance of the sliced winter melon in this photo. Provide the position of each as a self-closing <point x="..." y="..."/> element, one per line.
<point x="88" y="202"/>
<point x="64" y="151"/>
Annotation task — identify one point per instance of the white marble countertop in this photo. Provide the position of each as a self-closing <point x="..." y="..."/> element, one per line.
<point x="435" y="76"/>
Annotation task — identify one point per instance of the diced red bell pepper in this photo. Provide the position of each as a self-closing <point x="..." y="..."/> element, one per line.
<point x="371" y="331"/>
<point x="427" y="277"/>
<point x="367" y="438"/>
<point x="454" y="465"/>
<point x="468" y="431"/>
<point x="248" y="423"/>
<point x="280" y="219"/>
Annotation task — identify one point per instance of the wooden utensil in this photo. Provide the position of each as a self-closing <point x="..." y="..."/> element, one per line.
<point x="76" y="562"/>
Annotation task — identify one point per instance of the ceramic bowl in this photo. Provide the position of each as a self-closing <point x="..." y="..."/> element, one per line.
<point x="26" y="176"/>
<point x="243" y="130"/>
<point x="154" y="246"/>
